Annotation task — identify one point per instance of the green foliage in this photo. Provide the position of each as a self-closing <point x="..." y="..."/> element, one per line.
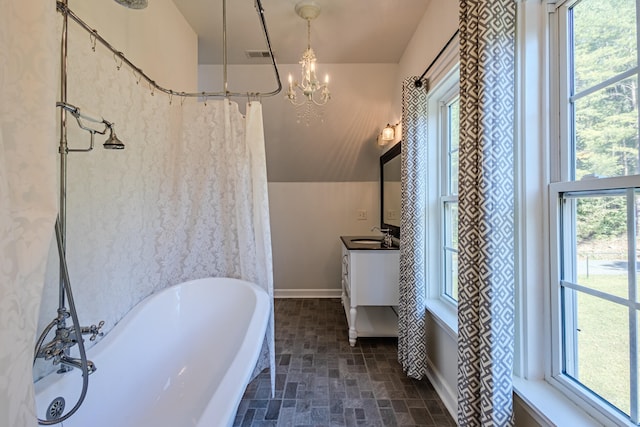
<point x="600" y="218"/>
<point x="605" y="120"/>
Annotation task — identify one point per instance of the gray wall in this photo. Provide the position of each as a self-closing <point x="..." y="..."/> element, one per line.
<point x="321" y="174"/>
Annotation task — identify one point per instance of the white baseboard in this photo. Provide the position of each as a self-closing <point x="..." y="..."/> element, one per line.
<point x="307" y="293"/>
<point x="449" y="397"/>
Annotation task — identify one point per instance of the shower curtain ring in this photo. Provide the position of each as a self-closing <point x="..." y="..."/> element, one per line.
<point x="93" y="39"/>
<point x="116" y="57"/>
<point x="182" y="99"/>
<point x="170" y="97"/>
<point x="152" y="86"/>
<point x="205" y="98"/>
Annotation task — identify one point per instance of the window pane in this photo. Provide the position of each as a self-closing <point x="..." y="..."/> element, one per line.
<point x="451" y="271"/>
<point x="602" y="250"/>
<point x="637" y="242"/>
<point x="606" y="131"/>
<point x="597" y="346"/>
<point x="601" y="48"/>
<point x="450" y="250"/>
<point x="451" y="224"/>
<point x="454" y="143"/>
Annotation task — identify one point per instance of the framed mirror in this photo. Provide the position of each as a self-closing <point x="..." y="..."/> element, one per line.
<point x="390" y="190"/>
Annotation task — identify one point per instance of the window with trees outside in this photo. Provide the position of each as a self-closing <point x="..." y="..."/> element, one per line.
<point x="594" y="200"/>
<point x="444" y="137"/>
<point x="450" y="119"/>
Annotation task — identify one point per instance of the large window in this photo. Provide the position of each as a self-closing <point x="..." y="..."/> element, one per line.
<point x="594" y="200"/>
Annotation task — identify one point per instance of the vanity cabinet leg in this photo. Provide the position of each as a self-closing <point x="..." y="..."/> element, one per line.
<point x="353" y="333"/>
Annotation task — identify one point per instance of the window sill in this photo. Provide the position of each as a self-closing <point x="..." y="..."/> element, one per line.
<point x="548" y="406"/>
<point x="446" y="315"/>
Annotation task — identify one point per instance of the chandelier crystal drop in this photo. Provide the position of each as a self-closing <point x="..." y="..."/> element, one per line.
<point x="313" y="90"/>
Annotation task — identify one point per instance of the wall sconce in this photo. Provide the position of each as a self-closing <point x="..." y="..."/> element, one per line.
<point x="388" y="134"/>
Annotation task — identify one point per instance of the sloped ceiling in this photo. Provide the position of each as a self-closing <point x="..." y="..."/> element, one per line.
<point x="346" y="31"/>
<point x="358" y="43"/>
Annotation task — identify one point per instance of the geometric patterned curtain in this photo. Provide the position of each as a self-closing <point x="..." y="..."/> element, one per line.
<point x="413" y="186"/>
<point x="486" y="213"/>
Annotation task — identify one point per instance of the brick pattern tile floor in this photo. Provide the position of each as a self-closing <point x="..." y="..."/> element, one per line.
<point x="322" y="381"/>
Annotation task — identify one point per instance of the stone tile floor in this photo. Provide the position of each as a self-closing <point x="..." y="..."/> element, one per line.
<point x="322" y="381"/>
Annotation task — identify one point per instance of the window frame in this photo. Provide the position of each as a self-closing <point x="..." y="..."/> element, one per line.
<point x="445" y="89"/>
<point x="447" y="196"/>
<point x="561" y="182"/>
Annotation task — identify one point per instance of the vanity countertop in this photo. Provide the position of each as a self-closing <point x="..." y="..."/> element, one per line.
<point x="365" y="243"/>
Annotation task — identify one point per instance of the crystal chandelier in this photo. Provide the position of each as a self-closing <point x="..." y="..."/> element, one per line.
<point x="313" y="91"/>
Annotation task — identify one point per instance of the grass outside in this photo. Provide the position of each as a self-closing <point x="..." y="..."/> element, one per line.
<point x="603" y="340"/>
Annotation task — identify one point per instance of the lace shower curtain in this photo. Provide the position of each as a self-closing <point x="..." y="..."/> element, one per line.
<point x="412" y="352"/>
<point x="486" y="274"/>
<point x="27" y="192"/>
<point x="222" y="189"/>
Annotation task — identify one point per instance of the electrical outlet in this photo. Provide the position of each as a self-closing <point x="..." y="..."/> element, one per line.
<point x="392" y="214"/>
<point x="361" y="215"/>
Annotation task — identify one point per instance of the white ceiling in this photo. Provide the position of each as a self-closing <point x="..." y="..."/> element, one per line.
<point x="346" y="31"/>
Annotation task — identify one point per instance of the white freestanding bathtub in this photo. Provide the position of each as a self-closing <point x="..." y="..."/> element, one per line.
<point x="180" y="358"/>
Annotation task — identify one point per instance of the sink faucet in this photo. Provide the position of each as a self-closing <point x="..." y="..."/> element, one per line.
<point x="386" y="239"/>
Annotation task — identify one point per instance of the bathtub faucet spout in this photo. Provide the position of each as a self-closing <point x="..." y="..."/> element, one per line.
<point x="77" y="363"/>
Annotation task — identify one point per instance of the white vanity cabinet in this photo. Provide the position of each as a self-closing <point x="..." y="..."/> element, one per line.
<point x="370" y="288"/>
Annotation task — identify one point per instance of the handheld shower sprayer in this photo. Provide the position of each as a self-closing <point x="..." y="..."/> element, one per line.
<point x="112" y="142"/>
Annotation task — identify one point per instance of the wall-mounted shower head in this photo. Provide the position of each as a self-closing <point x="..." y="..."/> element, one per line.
<point x="133" y="4"/>
<point x="113" y="143"/>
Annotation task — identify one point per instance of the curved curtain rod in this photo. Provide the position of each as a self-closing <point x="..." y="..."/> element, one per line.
<point x="64" y="9"/>
<point x="418" y="82"/>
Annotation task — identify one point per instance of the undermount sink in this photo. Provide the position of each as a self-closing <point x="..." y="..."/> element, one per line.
<point x="367" y="241"/>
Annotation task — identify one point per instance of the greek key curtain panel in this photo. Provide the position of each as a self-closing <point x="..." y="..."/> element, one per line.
<point x="413" y="187"/>
<point x="486" y="213"/>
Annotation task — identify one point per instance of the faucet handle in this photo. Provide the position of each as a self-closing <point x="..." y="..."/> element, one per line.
<point x="94" y="330"/>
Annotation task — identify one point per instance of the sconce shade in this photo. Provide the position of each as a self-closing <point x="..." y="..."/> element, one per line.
<point x="388" y="133"/>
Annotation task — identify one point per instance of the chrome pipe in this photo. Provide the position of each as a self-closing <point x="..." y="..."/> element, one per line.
<point x="225" y="83"/>
<point x="63" y="148"/>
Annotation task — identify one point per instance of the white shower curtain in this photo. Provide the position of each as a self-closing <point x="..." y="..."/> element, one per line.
<point x="27" y="192"/>
<point x="221" y="188"/>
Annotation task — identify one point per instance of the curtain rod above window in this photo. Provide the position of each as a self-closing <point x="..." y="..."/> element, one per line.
<point x="419" y="82"/>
